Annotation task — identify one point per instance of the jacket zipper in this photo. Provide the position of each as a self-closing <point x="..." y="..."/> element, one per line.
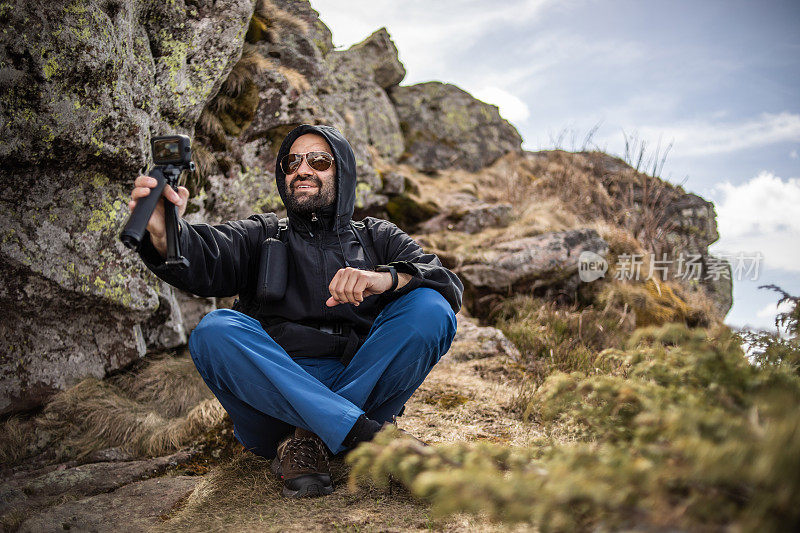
<point x="313" y="219"/>
<point x="321" y="255"/>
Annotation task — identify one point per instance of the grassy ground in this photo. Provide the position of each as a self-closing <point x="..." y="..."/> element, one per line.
<point x="459" y="402"/>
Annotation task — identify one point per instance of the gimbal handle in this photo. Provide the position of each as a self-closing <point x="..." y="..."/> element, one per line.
<point x="134" y="230"/>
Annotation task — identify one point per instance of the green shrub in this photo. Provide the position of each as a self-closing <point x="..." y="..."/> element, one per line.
<point x="682" y="432"/>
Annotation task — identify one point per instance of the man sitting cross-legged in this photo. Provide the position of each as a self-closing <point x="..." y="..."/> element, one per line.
<point x="364" y="317"/>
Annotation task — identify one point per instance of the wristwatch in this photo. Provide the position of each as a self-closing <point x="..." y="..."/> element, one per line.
<point x="391" y="270"/>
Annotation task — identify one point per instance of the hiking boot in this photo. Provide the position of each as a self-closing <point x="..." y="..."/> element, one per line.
<point x="302" y="463"/>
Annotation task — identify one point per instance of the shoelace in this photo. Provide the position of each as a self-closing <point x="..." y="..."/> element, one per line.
<point x="304" y="452"/>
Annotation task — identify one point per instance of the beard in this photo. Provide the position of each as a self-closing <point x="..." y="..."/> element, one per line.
<point x="304" y="203"/>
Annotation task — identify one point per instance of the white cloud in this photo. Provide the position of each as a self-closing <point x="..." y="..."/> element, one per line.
<point x="426" y="33"/>
<point x="701" y="138"/>
<point x="511" y="107"/>
<point x="793" y="154"/>
<point x="771" y="310"/>
<point x="760" y="215"/>
<point x="765" y="317"/>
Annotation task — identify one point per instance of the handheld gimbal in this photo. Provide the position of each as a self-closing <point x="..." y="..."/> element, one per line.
<point x="172" y="154"/>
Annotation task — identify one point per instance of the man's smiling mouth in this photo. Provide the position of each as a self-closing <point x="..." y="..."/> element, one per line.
<point x="306" y="188"/>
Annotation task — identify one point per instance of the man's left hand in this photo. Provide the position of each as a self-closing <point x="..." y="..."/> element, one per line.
<point x="352" y="285"/>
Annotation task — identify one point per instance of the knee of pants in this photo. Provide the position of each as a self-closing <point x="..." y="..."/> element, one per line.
<point x="434" y="319"/>
<point x="211" y="334"/>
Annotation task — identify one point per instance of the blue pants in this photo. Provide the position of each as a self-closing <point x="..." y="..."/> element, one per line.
<point x="267" y="393"/>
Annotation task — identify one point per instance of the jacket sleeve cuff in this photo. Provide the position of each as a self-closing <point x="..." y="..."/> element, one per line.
<point x="406" y="267"/>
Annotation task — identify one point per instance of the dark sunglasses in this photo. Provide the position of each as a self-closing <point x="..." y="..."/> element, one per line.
<point x="320" y="161"/>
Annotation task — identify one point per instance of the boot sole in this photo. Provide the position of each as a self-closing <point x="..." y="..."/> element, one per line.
<point x="312" y="490"/>
<point x="313" y="485"/>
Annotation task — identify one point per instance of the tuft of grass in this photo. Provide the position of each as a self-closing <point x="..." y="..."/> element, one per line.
<point x="552" y="338"/>
<point x="249" y="66"/>
<point x="241" y="112"/>
<point x="209" y="129"/>
<point x="205" y="162"/>
<point x="652" y="302"/>
<point x="571" y="178"/>
<point x="295" y="79"/>
<point x="170" y="386"/>
<point x="95" y="415"/>
<point x="156" y="408"/>
<point x="270" y="23"/>
<point x="17" y="440"/>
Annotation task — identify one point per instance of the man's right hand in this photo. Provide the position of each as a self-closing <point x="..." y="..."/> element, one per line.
<point x="156" y="226"/>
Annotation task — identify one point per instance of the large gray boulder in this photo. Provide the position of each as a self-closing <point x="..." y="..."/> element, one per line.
<point x="531" y="262"/>
<point x="83" y="87"/>
<point x="445" y="127"/>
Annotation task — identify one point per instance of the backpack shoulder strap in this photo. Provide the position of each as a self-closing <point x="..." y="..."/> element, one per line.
<point x="270" y="223"/>
<point x="359" y="228"/>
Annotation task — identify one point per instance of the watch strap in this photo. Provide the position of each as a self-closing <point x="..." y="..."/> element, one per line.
<point x="391" y="270"/>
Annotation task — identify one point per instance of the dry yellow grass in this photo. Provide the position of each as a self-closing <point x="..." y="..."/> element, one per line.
<point x="296" y="80"/>
<point x="95" y="415"/>
<point x="249" y="66"/>
<point x="270" y="22"/>
<point x="653" y="302"/>
<point x="170" y="385"/>
<point x="15" y="440"/>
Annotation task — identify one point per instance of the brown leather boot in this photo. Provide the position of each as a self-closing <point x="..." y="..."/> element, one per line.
<point x="302" y="463"/>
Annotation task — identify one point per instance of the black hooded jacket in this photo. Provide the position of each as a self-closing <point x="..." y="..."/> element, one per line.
<point x="224" y="261"/>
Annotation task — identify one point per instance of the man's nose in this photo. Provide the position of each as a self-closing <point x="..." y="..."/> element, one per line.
<point x="304" y="169"/>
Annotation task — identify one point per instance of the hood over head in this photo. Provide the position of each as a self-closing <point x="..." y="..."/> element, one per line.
<point x="345" y="162"/>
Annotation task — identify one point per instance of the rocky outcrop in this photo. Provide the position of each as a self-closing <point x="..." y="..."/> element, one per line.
<point x="139" y="506"/>
<point x="445" y="127"/>
<point x="464" y="212"/>
<point x="356" y="89"/>
<point x="670" y="222"/>
<point x="27" y="492"/>
<point x="526" y="264"/>
<point x="307" y="82"/>
<point x="84" y="86"/>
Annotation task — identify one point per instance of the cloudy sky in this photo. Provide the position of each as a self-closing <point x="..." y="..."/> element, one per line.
<point x="719" y="81"/>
